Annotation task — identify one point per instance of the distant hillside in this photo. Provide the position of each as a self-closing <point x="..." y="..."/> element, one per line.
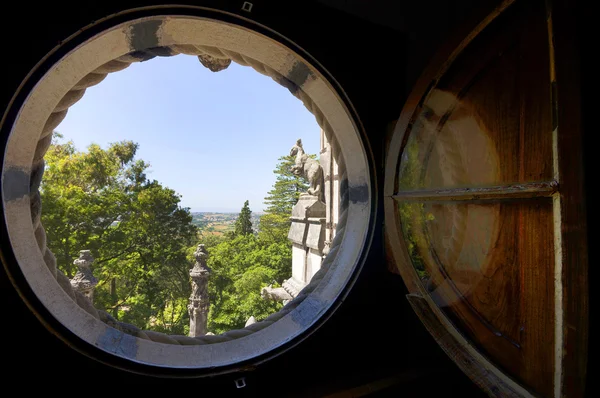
<point x="219" y="223"/>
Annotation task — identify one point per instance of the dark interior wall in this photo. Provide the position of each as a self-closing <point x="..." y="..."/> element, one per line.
<point x="425" y="24"/>
<point x="376" y="56"/>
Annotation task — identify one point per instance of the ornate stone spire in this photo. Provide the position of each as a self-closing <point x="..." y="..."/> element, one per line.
<point x="84" y="281"/>
<point x="199" y="303"/>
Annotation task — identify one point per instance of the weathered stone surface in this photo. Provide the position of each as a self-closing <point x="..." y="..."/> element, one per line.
<point x="315" y="237"/>
<point x="298" y="262"/>
<point x="293" y="286"/>
<point x="314" y="258"/>
<point x="307" y="234"/>
<point x="275" y="294"/>
<point x="308" y="223"/>
<point x="309" y="206"/>
<point x="84" y="280"/>
<point x="199" y="302"/>
<point x="297" y="232"/>
<point x="214" y="64"/>
<point x="309" y="168"/>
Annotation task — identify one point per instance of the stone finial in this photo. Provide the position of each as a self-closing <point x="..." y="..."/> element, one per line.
<point x="199" y="302"/>
<point x="200" y="268"/>
<point x="84" y="280"/>
<point x="250" y="321"/>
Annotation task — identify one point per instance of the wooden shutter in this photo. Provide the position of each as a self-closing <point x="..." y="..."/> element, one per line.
<point x="484" y="205"/>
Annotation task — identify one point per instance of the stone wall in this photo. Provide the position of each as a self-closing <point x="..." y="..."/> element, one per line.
<point x="314" y="222"/>
<point x="332" y="185"/>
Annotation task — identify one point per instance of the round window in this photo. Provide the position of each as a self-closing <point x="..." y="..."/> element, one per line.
<point x="83" y="61"/>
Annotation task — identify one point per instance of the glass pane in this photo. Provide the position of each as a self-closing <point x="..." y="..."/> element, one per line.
<point x="487" y="122"/>
<point x="490" y="267"/>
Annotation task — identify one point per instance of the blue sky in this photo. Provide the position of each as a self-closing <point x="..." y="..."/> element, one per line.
<point x="212" y="137"/>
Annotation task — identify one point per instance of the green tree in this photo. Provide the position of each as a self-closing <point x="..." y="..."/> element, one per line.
<point x="243" y="264"/>
<point x="243" y="224"/>
<point x="139" y="235"/>
<point x="241" y="267"/>
<point x="275" y="223"/>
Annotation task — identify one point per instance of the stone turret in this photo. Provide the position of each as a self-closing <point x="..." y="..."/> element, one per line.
<point x="84" y="280"/>
<point x="199" y="302"/>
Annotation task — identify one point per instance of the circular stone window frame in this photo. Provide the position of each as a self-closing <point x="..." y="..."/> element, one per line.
<point x="60" y="79"/>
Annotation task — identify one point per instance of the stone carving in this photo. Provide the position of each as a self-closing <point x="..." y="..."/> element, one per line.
<point x="199" y="302"/>
<point x="275" y="294"/>
<point x="214" y="64"/>
<point x="84" y="280"/>
<point x="58" y="114"/>
<point x="250" y="321"/>
<point x="311" y="169"/>
<point x="292" y="286"/>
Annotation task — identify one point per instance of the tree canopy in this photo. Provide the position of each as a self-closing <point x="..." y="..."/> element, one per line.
<point x="275" y="223"/>
<point x="244" y="263"/>
<point x="241" y="267"/>
<point x="143" y="240"/>
<point x="101" y="200"/>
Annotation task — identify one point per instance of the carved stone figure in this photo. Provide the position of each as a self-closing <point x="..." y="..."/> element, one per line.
<point x="311" y="169"/>
<point x="84" y="281"/>
<point x="199" y="303"/>
<point x="275" y="294"/>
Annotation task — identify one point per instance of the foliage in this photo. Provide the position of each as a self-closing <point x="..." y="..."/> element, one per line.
<point x="241" y="267"/>
<point x="244" y="263"/>
<point x="243" y="224"/>
<point x="412" y="215"/>
<point x="275" y="223"/>
<point x="139" y="235"/>
<point x="143" y="241"/>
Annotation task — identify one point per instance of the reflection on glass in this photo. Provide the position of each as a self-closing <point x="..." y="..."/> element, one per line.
<point x="409" y="214"/>
<point x="448" y="147"/>
<point x="477" y="259"/>
<point x="453" y="144"/>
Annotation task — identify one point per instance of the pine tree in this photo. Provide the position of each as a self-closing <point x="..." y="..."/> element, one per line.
<point x="275" y="223"/>
<point x="243" y="224"/>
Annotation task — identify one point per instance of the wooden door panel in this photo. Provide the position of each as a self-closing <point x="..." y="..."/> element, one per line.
<point x="490" y="267"/>
<point x="488" y="121"/>
<point x="479" y="190"/>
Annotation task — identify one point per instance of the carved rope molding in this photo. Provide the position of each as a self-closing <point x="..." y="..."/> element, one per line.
<point x="95" y="77"/>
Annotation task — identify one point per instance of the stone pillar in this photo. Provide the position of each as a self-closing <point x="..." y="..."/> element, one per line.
<point x="327" y="159"/>
<point x="199" y="302"/>
<point x="84" y="281"/>
<point x="307" y="234"/>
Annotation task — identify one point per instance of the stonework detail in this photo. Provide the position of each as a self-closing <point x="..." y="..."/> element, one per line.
<point x="214" y="64"/>
<point x="122" y="62"/>
<point x="199" y="301"/>
<point x="84" y="280"/>
<point x="276" y="294"/>
<point x="312" y="220"/>
<point x="292" y="286"/>
<point x="310" y="169"/>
